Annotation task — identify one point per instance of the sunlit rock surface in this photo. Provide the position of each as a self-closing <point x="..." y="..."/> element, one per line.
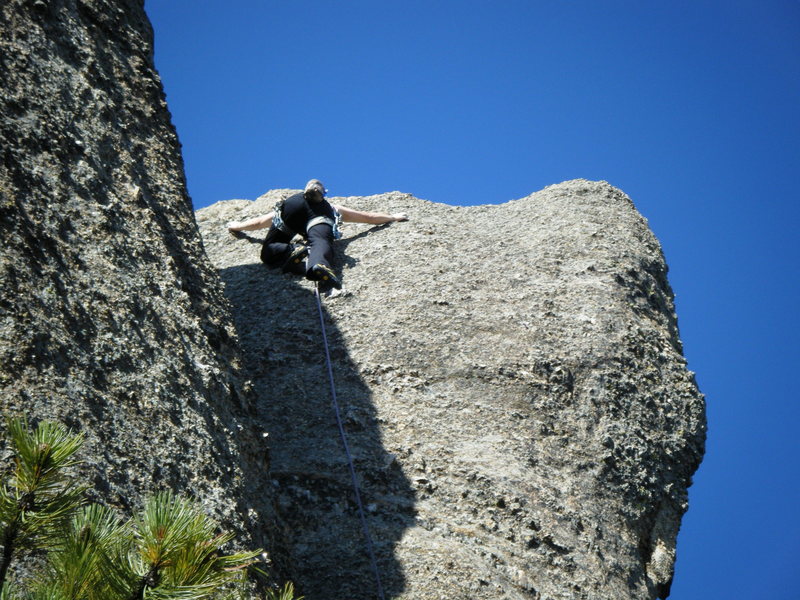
<point x="511" y="380"/>
<point x="112" y="320"/>
<point x="513" y="390"/>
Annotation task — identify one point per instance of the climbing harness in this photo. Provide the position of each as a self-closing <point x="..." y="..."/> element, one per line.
<point x="362" y="516"/>
<point x="335" y="222"/>
<point x="277" y="219"/>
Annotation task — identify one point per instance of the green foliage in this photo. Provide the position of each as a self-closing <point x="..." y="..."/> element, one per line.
<point x="38" y="497"/>
<point x="286" y="593"/>
<point x="176" y="554"/>
<point x="169" y="551"/>
<point x="85" y="563"/>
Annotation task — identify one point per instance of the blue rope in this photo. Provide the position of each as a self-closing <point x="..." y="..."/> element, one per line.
<point x="361" y="514"/>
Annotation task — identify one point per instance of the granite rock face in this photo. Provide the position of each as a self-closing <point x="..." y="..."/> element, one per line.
<point x="511" y="381"/>
<point x="112" y="319"/>
<point x="513" y="389"/>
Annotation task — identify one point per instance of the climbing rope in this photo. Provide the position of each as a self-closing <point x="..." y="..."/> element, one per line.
<point x="361" y="514"/>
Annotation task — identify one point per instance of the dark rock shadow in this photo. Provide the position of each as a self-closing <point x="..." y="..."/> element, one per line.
<point x="278" y="323"/>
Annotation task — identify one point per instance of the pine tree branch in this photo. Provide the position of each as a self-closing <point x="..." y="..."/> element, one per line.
<point x="9" y="547"/>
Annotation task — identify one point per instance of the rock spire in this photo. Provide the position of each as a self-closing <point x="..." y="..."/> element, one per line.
<point x="112" y="320"/>
<point x="514" y="392"/>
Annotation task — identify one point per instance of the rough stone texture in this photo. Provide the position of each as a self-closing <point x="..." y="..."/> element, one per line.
<point x="112" y="320"/>
<point x="511" y="378"/>
<point x="513" y="390"/>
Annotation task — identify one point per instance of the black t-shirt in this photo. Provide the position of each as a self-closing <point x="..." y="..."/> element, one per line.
<point x="297" y="212"/>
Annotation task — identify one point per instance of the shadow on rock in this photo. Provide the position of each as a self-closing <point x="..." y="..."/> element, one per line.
<point x="278" y="323"/>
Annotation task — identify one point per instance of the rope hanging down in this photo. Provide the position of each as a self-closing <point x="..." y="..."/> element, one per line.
<point x="356" y="491"/>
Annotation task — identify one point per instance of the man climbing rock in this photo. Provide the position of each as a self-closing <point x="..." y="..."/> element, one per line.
<point x="312" y="217"/>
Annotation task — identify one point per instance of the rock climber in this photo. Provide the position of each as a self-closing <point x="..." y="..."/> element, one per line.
<point x="311" y="216"/>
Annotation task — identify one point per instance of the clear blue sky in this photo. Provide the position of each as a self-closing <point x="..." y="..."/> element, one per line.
<point x="690" y="107"/>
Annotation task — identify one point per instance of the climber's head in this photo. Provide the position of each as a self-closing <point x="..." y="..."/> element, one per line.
<point x="315" y="191"/>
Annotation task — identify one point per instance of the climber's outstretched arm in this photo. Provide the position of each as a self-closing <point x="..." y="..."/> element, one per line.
<point x="261" y="222"/>
<point x="358" y="216"/>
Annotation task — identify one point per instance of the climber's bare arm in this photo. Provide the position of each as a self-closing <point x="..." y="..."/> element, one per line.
<point x="358" y="216"/>
<point x="261" y="222"/>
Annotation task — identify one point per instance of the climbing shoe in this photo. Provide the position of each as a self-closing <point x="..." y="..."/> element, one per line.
<point x="325" y="276"/>
<point x="294" y="264"/>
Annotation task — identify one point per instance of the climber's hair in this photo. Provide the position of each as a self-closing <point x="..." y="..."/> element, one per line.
<point x="314" y="191"/>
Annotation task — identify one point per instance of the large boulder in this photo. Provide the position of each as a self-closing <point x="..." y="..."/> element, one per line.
<point x="512" y="385"/>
